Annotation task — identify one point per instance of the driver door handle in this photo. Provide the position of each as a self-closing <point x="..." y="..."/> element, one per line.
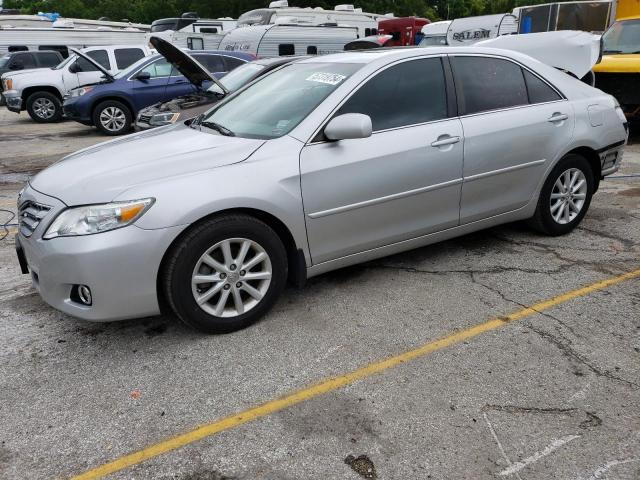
<point x="444" y="140"/>
<point x="558" y="117"/>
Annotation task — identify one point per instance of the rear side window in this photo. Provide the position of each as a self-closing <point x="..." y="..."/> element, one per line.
<point x="539" y="91"/>
<point x="101" y="57"/>
<point x="127" y="56"/>
<point x="406" y="94"/>
<point x="485" y="83"/>
<point x="213" y="63"/>
<point x="232" y="63"/>
<point x="48" y="59"/>
<point x="64" y="51"/>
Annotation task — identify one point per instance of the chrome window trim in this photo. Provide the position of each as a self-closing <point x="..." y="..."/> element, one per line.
<point x="324" y="122"/>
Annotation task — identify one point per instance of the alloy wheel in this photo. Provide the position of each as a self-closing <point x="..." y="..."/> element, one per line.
<point x="113" y="119"/>
<point x="231" y="277"/>
<point x="44" y="108"/>
<point x="568" y="195"/>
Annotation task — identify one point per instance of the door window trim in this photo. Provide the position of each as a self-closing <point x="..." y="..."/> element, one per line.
<point x="512" y="107"/>
<point x="449" y="94"/>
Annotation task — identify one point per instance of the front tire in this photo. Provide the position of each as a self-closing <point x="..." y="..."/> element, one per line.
<point x="44" y="107"/>
<point x="112" y="118"/>
<point x="565" y="196"/>
<point x="225" y="274"/>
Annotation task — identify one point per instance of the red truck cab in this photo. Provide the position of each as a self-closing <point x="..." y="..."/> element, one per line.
<point x="404" y="30"/>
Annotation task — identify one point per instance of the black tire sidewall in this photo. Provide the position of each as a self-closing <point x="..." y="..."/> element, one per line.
<point x="549" y="224"/>
<point x="57" y="116"/>
<point x="189" y="251"/>
<point x="112" y="103"/>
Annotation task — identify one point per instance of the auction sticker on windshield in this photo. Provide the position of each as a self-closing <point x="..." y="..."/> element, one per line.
<point x="328" y="78"/>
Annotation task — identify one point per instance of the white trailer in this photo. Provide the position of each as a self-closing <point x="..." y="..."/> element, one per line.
<point x="27" y="38"/>
<point x="279" y="40"/>
<point x="190" y="40"/>
<point x="344" y="15"/>
<point x="40" y="21"/>
<point x="469" y="30"/>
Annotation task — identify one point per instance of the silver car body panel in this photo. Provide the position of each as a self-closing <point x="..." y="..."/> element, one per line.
<point x="343" y="202"/>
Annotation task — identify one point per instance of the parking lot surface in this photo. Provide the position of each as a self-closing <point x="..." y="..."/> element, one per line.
<point x="552" y="393"/>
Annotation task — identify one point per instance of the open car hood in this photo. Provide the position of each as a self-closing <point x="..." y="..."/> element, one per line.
<point x="569" y="50"/>
<point x="184" y="63"/>
<point x="93" y="62"/>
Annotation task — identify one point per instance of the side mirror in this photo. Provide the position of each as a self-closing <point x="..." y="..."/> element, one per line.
<point x="349" y="126"/>
<point x="74" y="68"/>
<point x="16" y="66"/>
<point x="143" y="76"/>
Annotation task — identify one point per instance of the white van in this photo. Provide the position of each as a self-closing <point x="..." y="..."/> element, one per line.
<point x="281" y="40"/>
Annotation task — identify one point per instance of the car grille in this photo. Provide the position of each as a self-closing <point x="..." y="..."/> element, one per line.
<point x="623" y="86"/>
<point x="31" y="214"/>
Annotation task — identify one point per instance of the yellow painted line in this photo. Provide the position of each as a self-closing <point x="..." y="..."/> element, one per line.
<point x="335" y="383"/>
<point x="11" y="230"/>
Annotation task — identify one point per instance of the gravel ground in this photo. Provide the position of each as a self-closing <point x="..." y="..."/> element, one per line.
<point x="554" y="395"/>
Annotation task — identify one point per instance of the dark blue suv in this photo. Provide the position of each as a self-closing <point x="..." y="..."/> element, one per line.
<point x="113" y="104"/>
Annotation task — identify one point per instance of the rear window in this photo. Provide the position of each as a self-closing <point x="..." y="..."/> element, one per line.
<point x="213" y="63"/>
<point x="101" y="57"/>
<point x="48" y="59"/>
<point x="233" y="62"/>
<point x="127" y="56"/>
<point x="486" y="83"/>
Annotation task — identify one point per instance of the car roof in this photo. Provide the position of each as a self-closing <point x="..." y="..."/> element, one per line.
<point x="280" y="60"/>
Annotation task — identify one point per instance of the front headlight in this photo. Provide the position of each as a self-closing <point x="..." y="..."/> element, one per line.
<point x="163" y="118"/>
<point x="78" y="92"/>
<point x="8" y="84"/>
<point x="97" y="218"/>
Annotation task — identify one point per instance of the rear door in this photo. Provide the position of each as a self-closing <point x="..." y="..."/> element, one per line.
<point x="514" y="123"/>
<point x="402" y="182"/>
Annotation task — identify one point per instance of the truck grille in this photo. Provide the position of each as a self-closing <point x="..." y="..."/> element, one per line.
<point x="623" y="86"/>
<point x="30" y="215"/>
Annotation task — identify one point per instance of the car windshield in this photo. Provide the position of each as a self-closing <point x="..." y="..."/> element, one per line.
<point x="238" y="77"/>
<point x="134" y="66"/>
<point x="66" y="61"/>
<point x="273" y="106"/>
<point x="4" y="60"/>
<point x="622" y="37"/>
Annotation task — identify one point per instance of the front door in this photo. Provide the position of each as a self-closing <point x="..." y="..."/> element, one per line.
<point x="402" y="182"/>
<point x="153" y="89"/>
<point x="514" y="125"/>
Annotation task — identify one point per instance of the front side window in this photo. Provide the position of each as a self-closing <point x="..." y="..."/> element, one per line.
<point x="279" y="101"/>
<point x="159" y="68"/>
<point x="101" y="57"/>
<point x="127" y="56"/>
<point x="405" y="94"/>
<point x="485" y="83"/>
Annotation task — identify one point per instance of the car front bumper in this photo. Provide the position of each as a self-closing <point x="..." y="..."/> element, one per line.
<point x="13" y="100"/>
<point x="71" y="111"/>
<point x="120" y="266"/>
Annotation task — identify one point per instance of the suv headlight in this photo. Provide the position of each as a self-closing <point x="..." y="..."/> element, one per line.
<point x="163" y="118"/>
<point x="91" y="219"/>
<point x="78" y="92"/>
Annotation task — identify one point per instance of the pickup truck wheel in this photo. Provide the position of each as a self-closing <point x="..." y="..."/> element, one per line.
<point x="44" y="107"/>
<point x="565" y="196"/>
<point x="225" y="274"/>
<point x="112" y="117"/>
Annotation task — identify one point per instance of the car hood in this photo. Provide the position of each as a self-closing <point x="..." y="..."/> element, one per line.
<point x="184" y="63"/>
<point x="28" y="71"/>
<point x="620" y="63"/>
<point x="99" y="173"/>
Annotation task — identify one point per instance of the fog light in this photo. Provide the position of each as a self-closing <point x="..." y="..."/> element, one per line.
<point x="84" y="294"/>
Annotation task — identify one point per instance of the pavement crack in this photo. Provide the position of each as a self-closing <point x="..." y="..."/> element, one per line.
<point x="573" y="355"/>
<point x="520" y="409"/>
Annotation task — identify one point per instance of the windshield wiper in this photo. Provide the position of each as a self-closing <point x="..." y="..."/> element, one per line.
<point x="608" y="52"/>
<point x="218" y="128"/>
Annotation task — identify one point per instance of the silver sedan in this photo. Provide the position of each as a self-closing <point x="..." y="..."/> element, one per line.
<point x="324" y="163"/>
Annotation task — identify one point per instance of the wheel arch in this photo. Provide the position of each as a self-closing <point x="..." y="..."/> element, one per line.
<point x="297" y="266"/>
<point x="28" y="91"/>
<point x="593" y="158"/>
<point x="115" y="98"/>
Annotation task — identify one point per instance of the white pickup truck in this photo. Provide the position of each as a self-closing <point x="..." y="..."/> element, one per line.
<point x="40" y="91"/>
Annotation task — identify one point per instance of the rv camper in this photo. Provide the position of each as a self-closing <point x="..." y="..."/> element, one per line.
<point x="59" y="39"/>
<point x="191" y="23"/>
<point x="466" y="31"/>
<point x="190" y="40"/>
<point x="346" y="15"/>
<point x="54" y="20"/>
<point x="280" y="40"/>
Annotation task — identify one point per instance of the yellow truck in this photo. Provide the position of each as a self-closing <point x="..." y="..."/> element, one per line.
<point x="618" y="73"/>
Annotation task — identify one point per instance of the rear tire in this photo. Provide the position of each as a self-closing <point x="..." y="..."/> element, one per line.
<point x="225" y="273"/>
<point x="565" y="196"/>
<point x="112" y="118"/>
<point x="44" y="107"/>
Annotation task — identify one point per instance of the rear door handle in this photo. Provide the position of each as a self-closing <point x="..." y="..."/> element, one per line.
<point x="444" y="140"/>
<point x="558" y="117"/>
